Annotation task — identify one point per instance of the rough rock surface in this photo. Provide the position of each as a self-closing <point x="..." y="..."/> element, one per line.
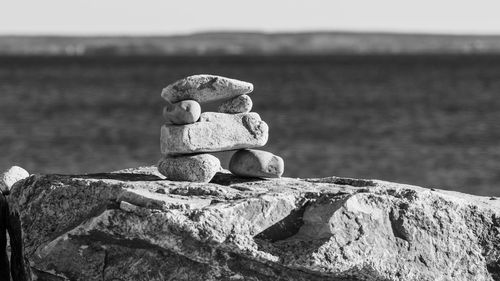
<point x="215" y="132"/>
<point x="133" y="225"/>
<point x="256" y="163"/>
<point x="193" y="168"/>
<point x="239" y="104"/>
<point x="205" y="88"/>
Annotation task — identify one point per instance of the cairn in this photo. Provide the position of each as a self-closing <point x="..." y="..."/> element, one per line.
<point x="189" y="136"/>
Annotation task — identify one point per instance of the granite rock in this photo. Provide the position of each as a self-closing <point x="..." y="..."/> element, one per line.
<point x="193" y="168"/>
<point x="181" y="113"/>
<point x="133" y="225"/>
<point x="10" y="177"/>
<point x="239" y="104"/>
<point x="256" y="163"/>
<point x="214" y="132"/>
<point x="205" y="88"/>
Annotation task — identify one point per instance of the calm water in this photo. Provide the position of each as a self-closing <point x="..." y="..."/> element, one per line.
<point x="425" y="120"/>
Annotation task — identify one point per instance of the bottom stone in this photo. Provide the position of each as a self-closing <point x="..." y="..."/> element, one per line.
<point x="193" y="168"/>
<point x="256" y="163"/>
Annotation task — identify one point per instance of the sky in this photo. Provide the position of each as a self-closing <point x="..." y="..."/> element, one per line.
<point x="155" y="17"/>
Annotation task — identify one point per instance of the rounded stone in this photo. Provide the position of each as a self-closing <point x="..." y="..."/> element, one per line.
<point x="181" y="113"/>
<point x="256" y="163"/>
<point x="10" y="177"/>
<point x="239" y="104"/>
<point x="193" y="168"/>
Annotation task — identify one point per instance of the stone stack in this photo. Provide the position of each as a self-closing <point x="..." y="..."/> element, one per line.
<point x="188" y="135"/>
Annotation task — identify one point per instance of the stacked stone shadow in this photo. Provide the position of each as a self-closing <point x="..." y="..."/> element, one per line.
<point x="189" y="136"/>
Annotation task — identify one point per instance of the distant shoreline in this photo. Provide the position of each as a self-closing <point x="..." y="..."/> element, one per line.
<point x="258" y="57"/>
<point x="249" y="43"/>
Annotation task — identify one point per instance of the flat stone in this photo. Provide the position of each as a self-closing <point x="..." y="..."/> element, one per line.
<point x="181" y="113"/>
<point x="239" y="104"/>
<point x="256" y="163"/>
<point x="193" y="168"/>
<point x="214" y="132"/>
<point x="205" y="88"/>
<point x="10" y="177"/>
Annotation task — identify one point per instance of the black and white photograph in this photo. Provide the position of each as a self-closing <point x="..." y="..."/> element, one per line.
<point x="249" y="140"/>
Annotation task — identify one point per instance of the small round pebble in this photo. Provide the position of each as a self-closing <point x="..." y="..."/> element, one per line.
<point x="239" y="104"/>
<point x="256" y="163"/>
<point x="10" y="177"/>
<point x="193" y="168"/>
<point x="181" y="113"/>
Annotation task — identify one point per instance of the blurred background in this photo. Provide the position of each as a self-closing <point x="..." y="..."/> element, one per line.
<point x="392" y="90"/>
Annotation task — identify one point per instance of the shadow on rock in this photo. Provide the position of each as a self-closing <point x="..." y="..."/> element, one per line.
<point x="229" y="179"/>
<point x="119" y="176"/>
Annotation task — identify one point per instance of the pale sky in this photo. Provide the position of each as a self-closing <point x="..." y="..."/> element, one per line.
<point x="155" y="17"/>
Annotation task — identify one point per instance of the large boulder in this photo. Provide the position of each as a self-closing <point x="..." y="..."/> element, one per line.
<point x="134" y="225"/>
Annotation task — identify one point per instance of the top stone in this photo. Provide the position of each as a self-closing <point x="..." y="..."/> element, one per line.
<point x="205" y="88"/>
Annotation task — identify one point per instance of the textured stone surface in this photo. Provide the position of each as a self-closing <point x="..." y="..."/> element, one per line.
<point x="133" y="225"/>
<point x="194" y="168"/>
<point x="214" y="132"/>
<point x="205" y="88"/>
<point x="256" y="163"/>
<point x="10" y="177"/>
<point x="181" y="113"/>
<point x="239" y="104"/>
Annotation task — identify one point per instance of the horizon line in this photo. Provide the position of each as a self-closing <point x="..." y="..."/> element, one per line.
<point x="249" y="31"/>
